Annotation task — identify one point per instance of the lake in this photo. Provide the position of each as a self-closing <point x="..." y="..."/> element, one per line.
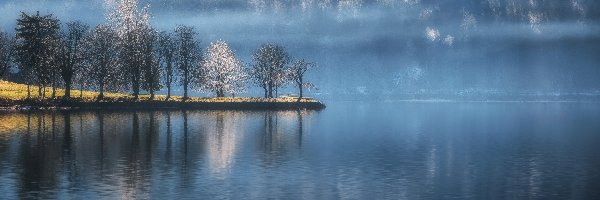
<point x="350" y="150"/>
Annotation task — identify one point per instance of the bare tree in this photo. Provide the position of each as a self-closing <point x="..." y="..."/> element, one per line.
<point x="280" y="78"/>
<point x="150" y="63"/>
<point x="130" y="24"/>
<point x="166" y="54"/>
<point x="222" y="72"/>
<point x="82" y="76"/>
<point x="259" y="74"/>
<point x="268" y="70"/>
<point x="101" y="58"/>
<point x="6" y="53"/>
<point x="55" y="62"/>
<point x="72" y="60"/>
<point x="49" y="72"/>
<point x="297" y="72"/>
<point x="188" y="56"/>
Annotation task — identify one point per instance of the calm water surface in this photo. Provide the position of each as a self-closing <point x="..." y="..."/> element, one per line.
<point x="351" y="150"/>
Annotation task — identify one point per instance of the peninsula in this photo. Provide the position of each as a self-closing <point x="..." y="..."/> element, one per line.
<point x="13" y="96"/>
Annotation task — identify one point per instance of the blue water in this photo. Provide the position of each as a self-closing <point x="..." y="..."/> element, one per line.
<point x="351" y="150"/>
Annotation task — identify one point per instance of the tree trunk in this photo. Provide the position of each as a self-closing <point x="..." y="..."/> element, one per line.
<point x="185" y="93"/>
<point x="300" y="83"/>
<point x="28" y="91"/>
<point x="168" y="92"/>
<point x="185" y="89"/>
<point x="151" y="95"/>
<point x="54" y="86"/>
<point x="100" y="96"/>
<point x="67" y="89"/>
<point x="270" y="91"/>
<point x="53" y="92"/>
<point x="300" y="96"/>
<point x="266" y="94"/>
<point x="101" y="90"/>
<point x="40" y="91"/>
<point x="169" y="77"/>
<point x="220" y="93"/>
<point x="136" y="90"/>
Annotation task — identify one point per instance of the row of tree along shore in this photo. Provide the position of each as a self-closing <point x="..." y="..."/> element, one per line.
<point x="127" y="54"/>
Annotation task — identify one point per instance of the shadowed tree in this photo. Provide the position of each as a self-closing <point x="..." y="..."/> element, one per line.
<point x="101" y="58"/>
<point x="82" y="76"/>
<point x="296" y="74"/>
<point x="166" y="54"/>
<point x="6" y="53"/>
<point x="268" y="70"/>
<point x="72" y="60"/>
<point x="222" y="72"/>
<point x="56" y="61"/>
<point x="280" y="79"/>
<point x="130" y="25"/>
<point x="150" y="65"/>
<point x="36" y="47"/>
<point x="188" y="56"/>
<point x="52" y="57"/>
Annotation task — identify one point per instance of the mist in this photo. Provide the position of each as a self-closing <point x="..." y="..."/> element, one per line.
<point x="394" y="49"/>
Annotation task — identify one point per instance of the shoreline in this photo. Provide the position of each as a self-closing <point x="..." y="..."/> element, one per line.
<point x="159" y="105"/>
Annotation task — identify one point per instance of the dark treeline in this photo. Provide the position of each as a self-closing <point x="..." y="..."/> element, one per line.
<point x="128" y="54"/>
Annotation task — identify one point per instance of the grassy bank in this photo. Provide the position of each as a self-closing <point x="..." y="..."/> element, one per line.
<point x="14" y="96"/>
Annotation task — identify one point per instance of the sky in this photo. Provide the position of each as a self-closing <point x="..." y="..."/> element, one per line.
<point x="391" y="49"/>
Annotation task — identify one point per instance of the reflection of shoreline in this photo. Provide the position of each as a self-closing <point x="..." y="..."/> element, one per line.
<point x="281" y="132"/>
<point x="260" y="104"/>
<point x="128" y="152"/>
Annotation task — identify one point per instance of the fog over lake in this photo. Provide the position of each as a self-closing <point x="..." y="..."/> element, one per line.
<point x="426" y="99"/>
<point x="387" y="49"/>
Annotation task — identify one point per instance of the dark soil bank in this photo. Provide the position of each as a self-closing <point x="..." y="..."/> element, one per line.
<point x="161" y="105"/>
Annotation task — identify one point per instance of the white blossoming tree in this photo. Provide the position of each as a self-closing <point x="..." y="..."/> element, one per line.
<point x="222" y="72"/>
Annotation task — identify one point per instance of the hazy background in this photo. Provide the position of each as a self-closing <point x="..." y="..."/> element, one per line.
<point x="394" y="49"/>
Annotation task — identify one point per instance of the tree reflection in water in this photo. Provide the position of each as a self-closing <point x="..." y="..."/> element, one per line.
<point x="131" y="153"/>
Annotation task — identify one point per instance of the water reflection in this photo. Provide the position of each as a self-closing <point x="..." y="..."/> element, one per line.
<point x="222" y="140"/>
<point x="420" y="151"/>
<point x="132" y="154"/>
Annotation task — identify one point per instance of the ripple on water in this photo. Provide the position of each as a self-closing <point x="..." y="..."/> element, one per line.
<point x="437" y="151"/>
